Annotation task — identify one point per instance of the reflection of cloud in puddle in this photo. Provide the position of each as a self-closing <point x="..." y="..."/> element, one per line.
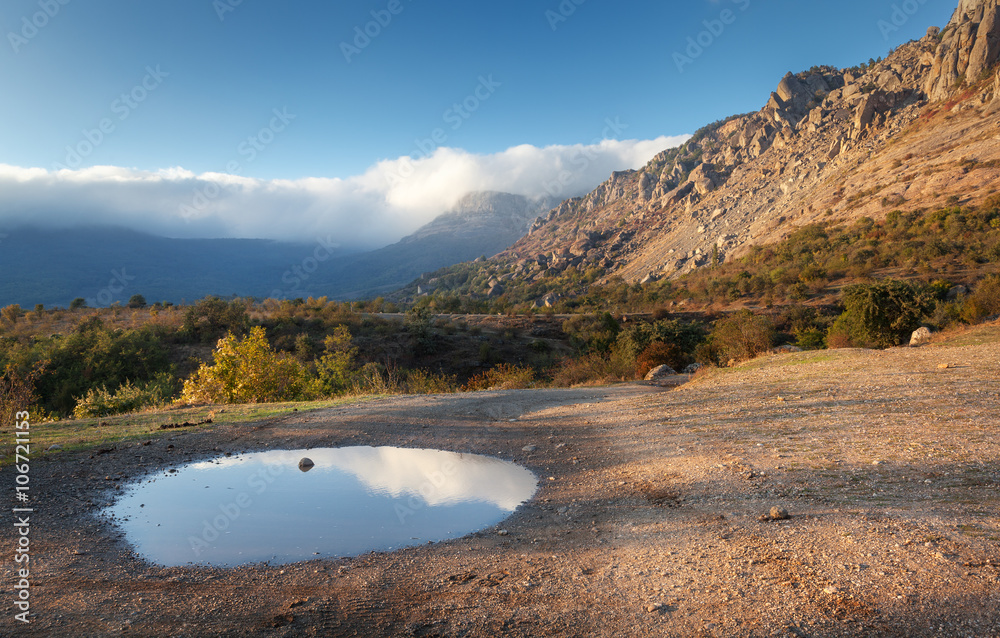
<point x="435" y="476"/>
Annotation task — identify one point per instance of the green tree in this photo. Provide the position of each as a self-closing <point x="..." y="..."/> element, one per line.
<point x="246" y="371"/>
<point x="78" y="303"/>
<point x="212" y="317"/>
<point x="137" y="301"/>
<point x="333" y="369"/>
<point x="881" y="314"/>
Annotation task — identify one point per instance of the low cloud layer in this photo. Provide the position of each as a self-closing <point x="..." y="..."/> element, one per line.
<point x="389" y="200"/>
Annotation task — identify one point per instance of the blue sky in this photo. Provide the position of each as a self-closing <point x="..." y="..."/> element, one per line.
<point x="550" y="74"/>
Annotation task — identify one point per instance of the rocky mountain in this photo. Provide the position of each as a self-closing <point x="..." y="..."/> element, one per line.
<point x="52" y="267"/>
<point x="916" y="130"/>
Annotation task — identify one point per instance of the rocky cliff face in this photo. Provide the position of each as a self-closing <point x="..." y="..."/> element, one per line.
<point x="830" y="144"/>
<point x="969" y="46"/>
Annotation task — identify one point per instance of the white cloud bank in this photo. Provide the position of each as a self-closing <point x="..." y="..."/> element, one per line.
<point x="388" y="201"/>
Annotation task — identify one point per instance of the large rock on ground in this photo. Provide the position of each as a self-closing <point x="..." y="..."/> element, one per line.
<point x="920" y="337"/>
<point x="660" y="372"/>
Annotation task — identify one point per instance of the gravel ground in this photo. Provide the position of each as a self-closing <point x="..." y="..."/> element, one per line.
<point x="653" y="516"/>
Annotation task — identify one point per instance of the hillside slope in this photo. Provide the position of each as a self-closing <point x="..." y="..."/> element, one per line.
<point x="917" y="130"/>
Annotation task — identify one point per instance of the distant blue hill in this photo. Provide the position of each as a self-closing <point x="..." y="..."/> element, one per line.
<point x="105" y="265"/>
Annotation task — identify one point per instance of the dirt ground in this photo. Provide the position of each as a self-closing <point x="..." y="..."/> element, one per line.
<point x="647" y="521"/>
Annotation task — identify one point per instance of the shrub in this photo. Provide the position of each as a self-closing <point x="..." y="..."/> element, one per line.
<point x="505" y="376"/>
<point x="426" y="382"/>
<point x="11" y="313"/>
<point x="212" y="317"/>
<point x="95" y="356"/>
<point x="983" y="302"/>
<point x="334" y="367"/>
<point x="595" y="368"/>
<point x="880" y="314"/>
<point x="375" y="378"/>
<point x="246" y="371"/>
<point x="99" y="402"/>
<point x="17" y="392"/>
<point x="742" y="336"/>
<point x="656" y="354"/>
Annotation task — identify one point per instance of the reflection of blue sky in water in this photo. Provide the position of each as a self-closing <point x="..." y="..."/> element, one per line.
<point x="260" y="506"/>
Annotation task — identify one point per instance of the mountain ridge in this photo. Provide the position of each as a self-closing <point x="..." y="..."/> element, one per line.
<point x="916" y="130"/>
<point x="107" y="265"/>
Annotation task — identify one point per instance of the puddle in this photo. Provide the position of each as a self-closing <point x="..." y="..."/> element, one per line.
<point x="276" y="507"/>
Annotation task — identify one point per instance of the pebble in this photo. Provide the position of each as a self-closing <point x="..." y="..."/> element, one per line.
<point x="831" y="590"/>
<point x="654" y="607"/>
<point x="503" y="532"/>
<point x="53" y="448"/>
<point x="529" y="448"/>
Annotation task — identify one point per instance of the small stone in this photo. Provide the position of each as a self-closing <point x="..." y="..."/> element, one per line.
<point x="529" y="448"/>
<point x="306" y="464"/>
<point x="778" y="514"/>
<point x="503" y="532"/>
<point x="654" y="607"/>
<point x="55" y="447"/>
<point x="831" y="590"/>
<point x="944" y="366"/>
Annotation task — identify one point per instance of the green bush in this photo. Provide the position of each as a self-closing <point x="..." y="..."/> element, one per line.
<point x="502" y="377"/>
<point x="333" y="369"/>
<point x="595" y="368"/>
<point x="983" y="302"/>
<point x="880" y="315"/>
<point x="741" y="336"/>
<point x="99" y="402"/>
<point x="94" y="356"/>
<point x="211" y="317"/>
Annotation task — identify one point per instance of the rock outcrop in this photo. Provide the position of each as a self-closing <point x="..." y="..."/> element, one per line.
<point x="969" y="47"/>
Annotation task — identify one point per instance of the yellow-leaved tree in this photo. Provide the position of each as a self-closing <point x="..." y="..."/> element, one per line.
<point x="246" y="370"/>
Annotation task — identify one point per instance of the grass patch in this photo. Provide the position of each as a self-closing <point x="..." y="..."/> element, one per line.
<point x="974" y="336"/>
<point x="75" y="435"/>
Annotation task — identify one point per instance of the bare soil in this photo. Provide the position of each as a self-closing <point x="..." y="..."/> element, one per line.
<point x="647" y="522"/>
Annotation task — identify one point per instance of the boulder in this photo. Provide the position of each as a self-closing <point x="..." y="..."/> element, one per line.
<point x="704" y="179"/>
<point x="660" y="372"/>
<point x="694" y="367"/>
<point x="794" y="93"/>
<point x="920" y="337"/>
<point x="957" y="291"/>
